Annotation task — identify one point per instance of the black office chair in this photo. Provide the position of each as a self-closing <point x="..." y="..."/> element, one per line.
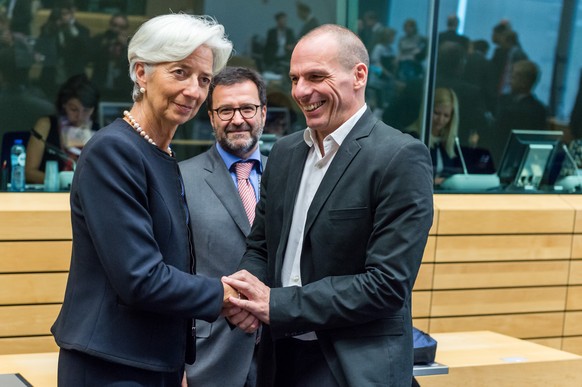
<point x="7" y="142"/>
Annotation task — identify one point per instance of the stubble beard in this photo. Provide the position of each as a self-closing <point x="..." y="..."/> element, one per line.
<point x="238" y="147"/>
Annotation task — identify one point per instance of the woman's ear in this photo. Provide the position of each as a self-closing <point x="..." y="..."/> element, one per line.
<point x="140" y="74"/>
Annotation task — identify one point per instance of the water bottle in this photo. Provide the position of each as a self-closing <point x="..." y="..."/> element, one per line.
<point x="17" y="160"/>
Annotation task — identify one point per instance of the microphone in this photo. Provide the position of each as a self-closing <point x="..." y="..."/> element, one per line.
<point x="458" y="144"/>
<point x="570" y="157"/>
<point x="469" y="181"/>
<point x="54" y="150"/>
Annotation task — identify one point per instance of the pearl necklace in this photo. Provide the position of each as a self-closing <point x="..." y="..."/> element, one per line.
<point x="134" y="124"/>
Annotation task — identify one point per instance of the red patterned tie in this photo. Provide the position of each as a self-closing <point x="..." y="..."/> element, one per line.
<point x="245" y="189"/>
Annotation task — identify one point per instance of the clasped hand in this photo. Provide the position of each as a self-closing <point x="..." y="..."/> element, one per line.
<point x="246" y="303"/>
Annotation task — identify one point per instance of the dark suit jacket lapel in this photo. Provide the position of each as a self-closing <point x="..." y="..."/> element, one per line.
<point x="346" y="153"/>
<point x="220" y="182"/>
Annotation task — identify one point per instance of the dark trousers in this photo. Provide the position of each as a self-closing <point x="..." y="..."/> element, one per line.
<point x="77" y="369"/>
<point x="302" y="364"/>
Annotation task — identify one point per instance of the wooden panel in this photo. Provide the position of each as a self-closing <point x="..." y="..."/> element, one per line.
<point x="420" y="304"/>
<point x="573" y="324"/>
<point x="503" y="214"/>
<point x="504" y="274"/>
<point x="528" y="325"/>
<point x="27" y="344"/>
<point x="429" y="250"/>
<point x="577" y="246"/>
<point x="435" y="221"/>
<point x="27" y="320"/>
<point x="421" y="323"/>
<point x="531" y="374"/>
<point x="555" y="343"/>
<point x="496" y="301"/>
<point x="34" y="216"/>
<point x="35" y="256"/>
<point x="574" y="301"/>
<point x="502" y="247"/>
<point x="572" y="344"/>
<point x="575" y="273"/>
<point x="32" y="288"/>
<point x="575" y="201"/>
<point x="424" y="278"/>
<point x="495" y="360"/>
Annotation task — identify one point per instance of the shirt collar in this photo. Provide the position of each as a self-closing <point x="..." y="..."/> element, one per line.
<point x="229" y="159"/>
<point x="338" y="135"/>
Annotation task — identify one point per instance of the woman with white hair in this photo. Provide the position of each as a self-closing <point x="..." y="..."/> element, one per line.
<point x="131" y="296"/>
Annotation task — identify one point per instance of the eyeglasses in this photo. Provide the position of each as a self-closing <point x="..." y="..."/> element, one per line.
<point x="226" y="113"/>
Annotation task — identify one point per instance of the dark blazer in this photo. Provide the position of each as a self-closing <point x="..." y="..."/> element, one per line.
<point x="516" y="112"/>
<point x="219" y="229"/>
<point x="272" y="45"/>
<point x="365" y="233"/>
<point x="453" y="36"/>
<point x="130" y="297"/>
<point x="308" y="25"/>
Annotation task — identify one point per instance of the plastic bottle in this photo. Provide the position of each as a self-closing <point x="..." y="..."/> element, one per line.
<point x="17" y="160"/>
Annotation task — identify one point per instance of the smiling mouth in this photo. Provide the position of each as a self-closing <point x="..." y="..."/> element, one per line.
<point x="311" y="107"/>
<point x="186" y="107"/>
<point x="238" y="131"/>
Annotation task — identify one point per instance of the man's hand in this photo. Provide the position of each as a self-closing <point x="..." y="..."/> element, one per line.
<point x="229" y="292"/>
<point x="256" y="294"/>
<point x="237" y="316"/>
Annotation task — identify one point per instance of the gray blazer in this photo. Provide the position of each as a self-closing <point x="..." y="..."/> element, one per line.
<point x="364" y="237"/>
<point x="219" y="228"/>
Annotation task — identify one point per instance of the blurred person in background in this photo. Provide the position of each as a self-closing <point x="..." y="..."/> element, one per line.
<point x="443" y="133"/>
<point x="279" y="45"/>
<point x="68" y="131"/>
<point x="110" y="60"/>
<point x="64" y="44"/>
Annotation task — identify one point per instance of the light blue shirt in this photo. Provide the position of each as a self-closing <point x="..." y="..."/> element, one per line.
<point x="256" y="172"/>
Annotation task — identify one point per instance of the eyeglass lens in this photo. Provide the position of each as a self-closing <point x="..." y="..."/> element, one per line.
<point x="247" y="111"/>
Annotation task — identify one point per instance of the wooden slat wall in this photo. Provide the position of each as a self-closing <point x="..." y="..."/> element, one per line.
<point x="505" y="263"/>
<point x="572" y="336"/>
<point x="35" y="251"/>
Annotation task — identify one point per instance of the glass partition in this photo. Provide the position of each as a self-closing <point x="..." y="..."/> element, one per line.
<point x="461" y="75"/>
<point x="502" y="61"/>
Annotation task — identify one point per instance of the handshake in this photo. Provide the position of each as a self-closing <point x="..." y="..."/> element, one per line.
<point x="246" y="301"/>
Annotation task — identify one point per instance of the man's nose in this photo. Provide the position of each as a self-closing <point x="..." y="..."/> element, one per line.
<point x="237" y="118"/>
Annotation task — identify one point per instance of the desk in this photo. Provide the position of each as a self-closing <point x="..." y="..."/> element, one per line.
<point x="476" y="359"/>
<point x="39" y="369"/>
<point x="484" y="359"/>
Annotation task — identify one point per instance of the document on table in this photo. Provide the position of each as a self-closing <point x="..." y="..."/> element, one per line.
<point x="13" y="380"/>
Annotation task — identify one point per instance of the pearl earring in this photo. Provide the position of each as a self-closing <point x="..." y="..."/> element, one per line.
<point x="142" y="90"/>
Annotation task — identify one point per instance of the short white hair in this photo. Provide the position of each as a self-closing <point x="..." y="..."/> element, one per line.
<point x="173" y="37"/>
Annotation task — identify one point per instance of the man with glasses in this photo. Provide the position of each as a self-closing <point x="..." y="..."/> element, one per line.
<point x="222" y="204"/>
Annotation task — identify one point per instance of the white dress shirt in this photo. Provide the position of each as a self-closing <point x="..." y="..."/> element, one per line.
<point x="314" y="170"/>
